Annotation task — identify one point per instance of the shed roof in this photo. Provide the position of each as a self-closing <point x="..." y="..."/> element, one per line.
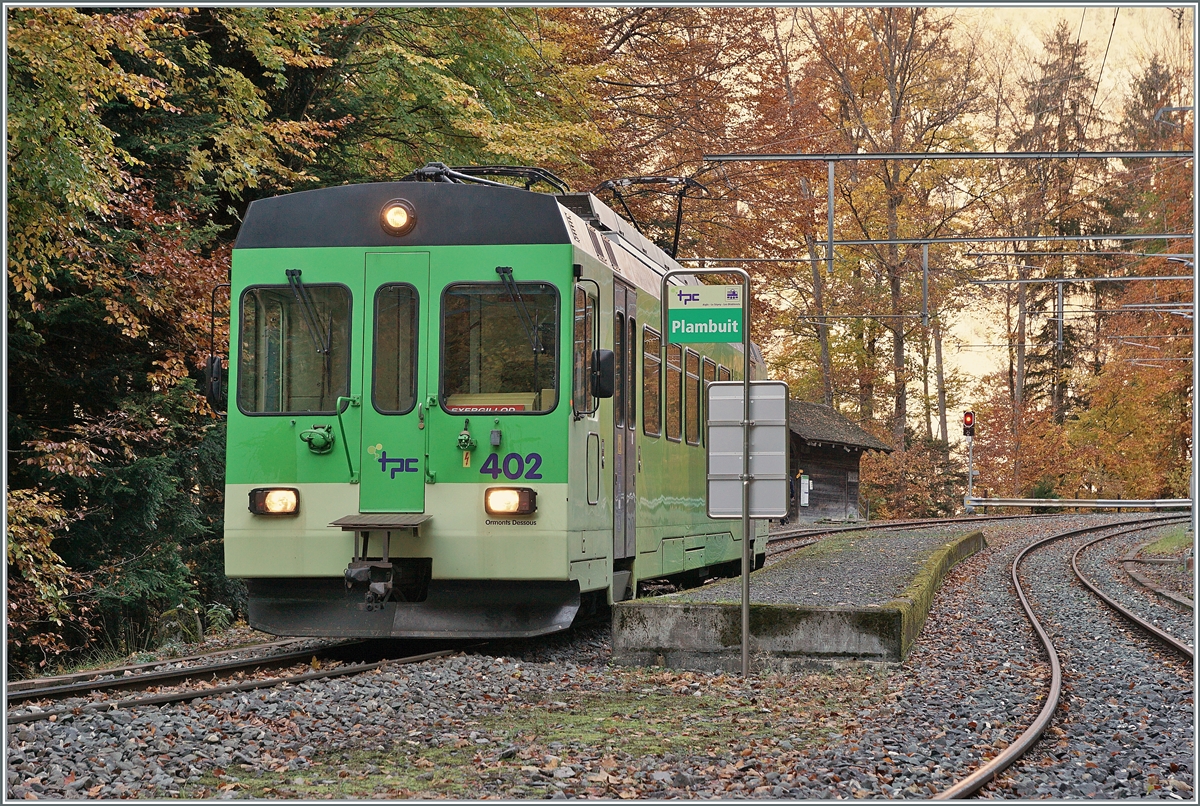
<point x="816" y="422"/>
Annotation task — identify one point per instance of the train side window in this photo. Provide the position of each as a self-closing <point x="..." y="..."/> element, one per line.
<point x="651" y="383"/>
<point x="294" y="356"/>
<point x="709" y="373"/>
<point x="674" y="392"/>
<point x="692" y="395"/>
<point x="631" y="381"/>
<point x="722" y="373"/>
<point x="585" y="309"/>
<point x="619" y="386"/>
<point x="394" y="376"/>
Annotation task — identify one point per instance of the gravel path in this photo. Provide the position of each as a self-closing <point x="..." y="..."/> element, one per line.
<point x="549" y="718"/>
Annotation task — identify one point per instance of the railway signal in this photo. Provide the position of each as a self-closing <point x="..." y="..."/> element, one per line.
<point x="969" y="431"/>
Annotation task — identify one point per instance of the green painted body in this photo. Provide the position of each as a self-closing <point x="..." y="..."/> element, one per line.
<point x="570" y="538"/>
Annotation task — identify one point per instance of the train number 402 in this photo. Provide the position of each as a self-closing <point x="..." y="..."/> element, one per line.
<point x="513" y="466"/>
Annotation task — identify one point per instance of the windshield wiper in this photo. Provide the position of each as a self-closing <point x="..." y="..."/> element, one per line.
<point x="531" y="329"/>
<point x="321" y="339"/>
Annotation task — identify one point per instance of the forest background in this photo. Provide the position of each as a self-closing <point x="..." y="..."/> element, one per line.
<point x="136" y="139"/>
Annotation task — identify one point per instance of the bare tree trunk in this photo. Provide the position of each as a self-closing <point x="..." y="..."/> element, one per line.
<point x="941" y="382"/>
<point x="1019" y="384"/>
<point x="925" y="399"/>
<point x="866" y="363"/>
<point x="893" y="253"/>
<point x="864" y="360"/>
<point x="822" y="327"/>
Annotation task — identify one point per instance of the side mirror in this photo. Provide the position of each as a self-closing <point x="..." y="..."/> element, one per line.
<point x="604" y="373"/>
<point x="214" y="383"/>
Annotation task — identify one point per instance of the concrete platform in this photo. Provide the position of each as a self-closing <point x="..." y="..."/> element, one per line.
<point x="849" y="599"/>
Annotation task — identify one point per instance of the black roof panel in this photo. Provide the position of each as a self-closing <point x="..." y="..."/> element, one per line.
<point x="447" y="214"/>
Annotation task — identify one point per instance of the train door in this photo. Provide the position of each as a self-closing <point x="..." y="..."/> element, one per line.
<point x="395" y="377"/>
<point x="624" y="423"/>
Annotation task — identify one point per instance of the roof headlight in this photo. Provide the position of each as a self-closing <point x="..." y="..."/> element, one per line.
<point x="510" y="501"/>
<point x="275" y="501"/>
<point x="398" y="217"/>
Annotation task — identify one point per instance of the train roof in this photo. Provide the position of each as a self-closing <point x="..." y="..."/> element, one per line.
<point x="447" y="214"/>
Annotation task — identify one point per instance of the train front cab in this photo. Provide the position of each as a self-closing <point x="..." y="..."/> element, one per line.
<point x="395" y="391"/>
<point x="391" y="389"/>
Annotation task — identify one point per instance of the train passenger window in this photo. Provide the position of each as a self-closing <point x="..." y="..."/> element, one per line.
<point x="709" y="371"/>
<point x="499" y="350"/>
<point x="585" y="310"/>
<point x="651" y="383"/>
<point x="619" y="387"/>
<point x="394" y="360"/>
<point x="631" y="380"/>
<point x="692" y="395"/>
<point x="674" y="392"/>
<point x="293" y="353"/>
<point x="722" y="373"/>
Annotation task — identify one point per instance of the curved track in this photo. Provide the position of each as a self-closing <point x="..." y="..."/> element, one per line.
<point x="813" y="531"/>
<point x="1023" y="743"/>
<point x="1128" y="614"/>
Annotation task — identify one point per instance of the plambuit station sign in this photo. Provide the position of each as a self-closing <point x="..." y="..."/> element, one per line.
<point x="704" y="313"/>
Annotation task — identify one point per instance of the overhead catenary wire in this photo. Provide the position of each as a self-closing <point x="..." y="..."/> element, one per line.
<point x="858" y="156"/>
<point x="1069" y="280"/>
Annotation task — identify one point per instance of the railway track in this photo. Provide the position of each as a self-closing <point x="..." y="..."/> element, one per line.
<point x="1044" y="583"/>
<point x="151" y="675"/>
<point x="167" y="688"/>
<point x="1134" y="563"/>
<point x="1146" y="624"/>
<point x="792" y="539"/>
<point x="96" y="674"/>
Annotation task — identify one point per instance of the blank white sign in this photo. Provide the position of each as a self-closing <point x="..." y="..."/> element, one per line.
<point x="768" y="449"/>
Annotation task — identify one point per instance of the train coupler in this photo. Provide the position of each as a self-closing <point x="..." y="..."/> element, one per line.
<point x="376" y="576"/>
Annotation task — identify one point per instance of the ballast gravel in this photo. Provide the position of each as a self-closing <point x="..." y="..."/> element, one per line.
<point x="1103" y="565"/>
<point x="548" y="718"/>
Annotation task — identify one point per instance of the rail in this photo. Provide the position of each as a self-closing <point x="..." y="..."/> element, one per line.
<point x="1155" y="632"/>
<point x="989" y="770"/>
<point x="191" y="694"/>
<point x="1089" y="503"/>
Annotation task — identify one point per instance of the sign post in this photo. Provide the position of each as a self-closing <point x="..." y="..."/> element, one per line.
<point x="693" y="313"/>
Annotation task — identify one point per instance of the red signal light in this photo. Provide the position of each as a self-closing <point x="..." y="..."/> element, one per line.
<point x="968" y="423"/>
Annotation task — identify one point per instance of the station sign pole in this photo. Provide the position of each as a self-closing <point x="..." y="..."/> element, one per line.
<point x="716" y="313"/>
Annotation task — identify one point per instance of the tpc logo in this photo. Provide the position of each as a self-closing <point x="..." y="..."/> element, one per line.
<point x="732" y="294"/>
<point x="684" y="299"/>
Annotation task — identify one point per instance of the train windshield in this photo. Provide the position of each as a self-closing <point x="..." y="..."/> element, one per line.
<point x="500" y="347"/>
<point x="294" y="350"/>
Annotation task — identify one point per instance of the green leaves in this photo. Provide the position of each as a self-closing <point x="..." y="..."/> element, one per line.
<point x="134" y="138"/>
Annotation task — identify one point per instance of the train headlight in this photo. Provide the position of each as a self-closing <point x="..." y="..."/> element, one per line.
<point x="398" y="217"/>
<point x="275" y="501"/>
<point x="510" y="501"/>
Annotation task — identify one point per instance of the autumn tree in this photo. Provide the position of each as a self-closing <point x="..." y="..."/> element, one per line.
<point x="135" y="140"/>
<point x="891" y="81"/>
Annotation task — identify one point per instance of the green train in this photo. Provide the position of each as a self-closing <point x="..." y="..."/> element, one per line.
<point x="447" y="413"/>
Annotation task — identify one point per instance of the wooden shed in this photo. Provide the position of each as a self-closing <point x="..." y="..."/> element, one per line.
<point x="825" y="453"/>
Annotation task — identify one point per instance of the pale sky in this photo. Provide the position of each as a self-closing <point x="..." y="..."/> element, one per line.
<point x="1139" y="30"/>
